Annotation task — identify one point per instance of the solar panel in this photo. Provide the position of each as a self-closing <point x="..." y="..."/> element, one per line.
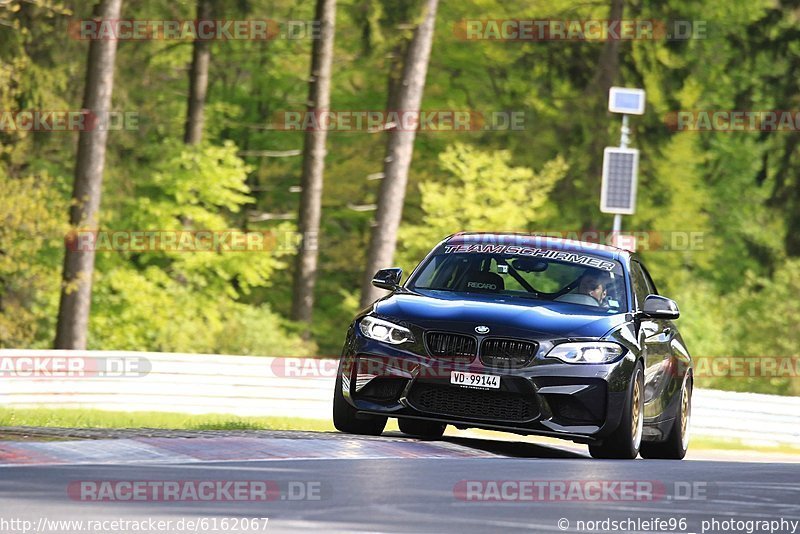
<point x="620" y="167"/>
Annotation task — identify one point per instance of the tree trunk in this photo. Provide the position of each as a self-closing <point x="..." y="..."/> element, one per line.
<point x="399" y="151"/>
<point x="604" y="78"/>
<point x="395" y="77"/>
<point x="608" y="65"/>
<point x="198" y="81"/>
<point x="76" y="287"/>
<point x="319" y="89"/>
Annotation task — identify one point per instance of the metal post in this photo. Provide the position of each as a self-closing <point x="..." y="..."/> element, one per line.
<point x="617" y="224"/>
<point x="623" y="143"/>
<point x="624" y="132"/>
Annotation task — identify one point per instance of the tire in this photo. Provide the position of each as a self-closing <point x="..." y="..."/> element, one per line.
<point x="677" y="442"/>
<point x="421" y="429"/>
<point x="624" y="442"/>
<point x="347" y="419"/>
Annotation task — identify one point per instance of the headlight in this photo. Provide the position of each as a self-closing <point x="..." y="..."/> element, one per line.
<point x="589" y="352"/>
<point x="381" y="330"/>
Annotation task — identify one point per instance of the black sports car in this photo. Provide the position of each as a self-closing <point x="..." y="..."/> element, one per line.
<point x="525" y="334"/>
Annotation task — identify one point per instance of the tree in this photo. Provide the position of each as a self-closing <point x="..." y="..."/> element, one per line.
<point x="399" y="151"/>
<point x="198" y="80"/>
<point x="76" y="285"/>
<point x="608" y="64"/>
<point x="319" y="89"/>
<point x="607" y="73"/>
<point x="483" y="195"/>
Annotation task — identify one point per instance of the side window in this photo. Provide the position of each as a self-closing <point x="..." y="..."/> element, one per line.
<point x="639" y="282"/>
<point x="432" y="272"/>
<point x="650" y="284"/>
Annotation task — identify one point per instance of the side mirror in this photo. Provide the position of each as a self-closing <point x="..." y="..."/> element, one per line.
<point x="388" y="278"/>
<point x="658" y="307"/>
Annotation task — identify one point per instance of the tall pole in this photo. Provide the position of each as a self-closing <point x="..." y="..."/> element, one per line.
<point x="624" y="139"/>
<point x="624" y="132"/>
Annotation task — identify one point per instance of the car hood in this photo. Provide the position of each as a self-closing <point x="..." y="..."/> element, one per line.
<point x="503" y="315"/>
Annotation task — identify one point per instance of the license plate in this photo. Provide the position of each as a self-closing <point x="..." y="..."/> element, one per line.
<point x="475" y="380"/>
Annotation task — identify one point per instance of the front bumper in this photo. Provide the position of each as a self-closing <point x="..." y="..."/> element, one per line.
<point x="579" y="402"/>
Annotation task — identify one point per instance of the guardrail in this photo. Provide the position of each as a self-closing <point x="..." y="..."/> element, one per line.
<point x="292" y="387"/>
<point x="185" y="383"/>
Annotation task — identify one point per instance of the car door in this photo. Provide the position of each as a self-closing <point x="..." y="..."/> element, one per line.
<point x="655" y="336"/>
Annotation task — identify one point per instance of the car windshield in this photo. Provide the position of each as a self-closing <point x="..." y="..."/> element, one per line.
<point x="575" y="277"/>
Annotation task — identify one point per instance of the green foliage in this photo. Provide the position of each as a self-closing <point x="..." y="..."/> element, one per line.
<point x="487" y="194"/>
<point x="191" y="183"/>
<point x="185" y="300"/>
<point x="31" y="241"/>
<point x="765" y="311"/>
<point x="148" y="310"/>
<point x="753" y="324"/>
<point x="258" y="331"/>
<point x="765" y="303"/>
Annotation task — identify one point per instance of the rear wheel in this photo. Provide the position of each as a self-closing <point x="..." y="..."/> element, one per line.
<point x="347" y="419"/>
<point x="677" y="442"/>
<point x="625" y="441"/>
<point x="421" y="429"/>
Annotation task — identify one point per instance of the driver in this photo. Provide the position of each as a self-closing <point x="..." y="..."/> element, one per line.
<point x="595" y="286"/>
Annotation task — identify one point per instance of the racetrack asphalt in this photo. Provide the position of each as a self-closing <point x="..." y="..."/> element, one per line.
<point x="331" y="482"/>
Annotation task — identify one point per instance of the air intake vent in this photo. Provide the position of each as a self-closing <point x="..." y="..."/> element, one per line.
<point x="383" y="388"/>
<point x="451" y="347"/>
<point x="472" y="403"/>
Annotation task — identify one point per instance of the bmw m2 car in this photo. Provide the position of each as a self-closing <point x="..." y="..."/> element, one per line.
<point x="524" y="334"/>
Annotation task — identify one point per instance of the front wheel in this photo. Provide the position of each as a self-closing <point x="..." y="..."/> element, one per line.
<point x="677" y="442"/>
<point x="625" y="441"/>
<point x="347" y="419"/>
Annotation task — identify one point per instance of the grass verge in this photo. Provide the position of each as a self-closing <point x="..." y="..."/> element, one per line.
<point x="76" y="418"/>
<point x="719" y="444"/>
